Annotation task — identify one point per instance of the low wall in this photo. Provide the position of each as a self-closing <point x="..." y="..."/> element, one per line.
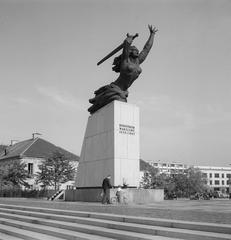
<point x="133" y="195"/>
<point x="83" y="195"/>
<point x="141" y="196"/>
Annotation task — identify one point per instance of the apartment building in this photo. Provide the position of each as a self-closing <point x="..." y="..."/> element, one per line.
<point x="218" y="178"/>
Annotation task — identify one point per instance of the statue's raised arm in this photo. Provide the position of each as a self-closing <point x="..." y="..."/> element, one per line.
<point x="126" y="46"/>
<point x="148" y="44"/>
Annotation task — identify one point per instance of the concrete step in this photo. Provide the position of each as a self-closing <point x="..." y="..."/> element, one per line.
<point x="98" y="226"/>
<point x="113" y="226"/>
<point x="96" y="233"/>
<point x="65" y="214"/>
<point x="13" y="233"/>
<point x="4" y="236"/>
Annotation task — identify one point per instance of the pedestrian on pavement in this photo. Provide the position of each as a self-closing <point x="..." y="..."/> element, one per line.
<point x="106" y="185"/>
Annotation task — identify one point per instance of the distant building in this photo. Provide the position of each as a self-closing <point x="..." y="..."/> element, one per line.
<point x="218" y="178"/>
<point x="169" y="168"/>
<point x="32" y="152"/>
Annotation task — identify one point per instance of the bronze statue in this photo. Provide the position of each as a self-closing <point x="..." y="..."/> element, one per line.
<point x="128" y="65"/>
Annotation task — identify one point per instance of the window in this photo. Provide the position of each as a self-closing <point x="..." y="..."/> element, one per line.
<point x="210" y="175"/>
<point x="223" y="182"/>
<point x="30" y="168"/>
<point x="204" y="175"/>
<point x="172" y="165"/>
<point x="217" y="182"/>
<point x="228" y="182"/>
<point x="228" y="175"/>
<point x="164" y="165"/>
<point x="211" y="182"/>
<point x="222" y="175"/>
<point x="216" y="175"/>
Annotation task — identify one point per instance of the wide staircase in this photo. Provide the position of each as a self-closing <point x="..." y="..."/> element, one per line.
<point x="22" y="222"/>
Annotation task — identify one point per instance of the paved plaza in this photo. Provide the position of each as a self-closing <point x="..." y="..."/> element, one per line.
<point x="213" y="211"/>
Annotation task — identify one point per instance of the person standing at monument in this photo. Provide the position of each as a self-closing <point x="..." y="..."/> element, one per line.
<point x="119" y="194"/>
<point x="128" y="66"/>
<point x="106" y="185"/>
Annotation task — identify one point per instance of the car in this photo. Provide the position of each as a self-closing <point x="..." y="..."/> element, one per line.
<point x="200" y="196"/>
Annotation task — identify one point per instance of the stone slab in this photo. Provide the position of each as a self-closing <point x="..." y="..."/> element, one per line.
<point x="111" y="146"/>
<point x="133" y="196"/>
<point x="66" y="215"/>
<point x="105" y="228"/>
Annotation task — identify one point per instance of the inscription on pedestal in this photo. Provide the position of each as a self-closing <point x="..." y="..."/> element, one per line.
<point x="126" y="129"/>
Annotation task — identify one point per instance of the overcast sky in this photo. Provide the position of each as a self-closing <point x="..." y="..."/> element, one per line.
<point x="48" y="55"/>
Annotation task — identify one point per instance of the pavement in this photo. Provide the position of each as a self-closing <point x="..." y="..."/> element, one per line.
<point x="211" y="211"/>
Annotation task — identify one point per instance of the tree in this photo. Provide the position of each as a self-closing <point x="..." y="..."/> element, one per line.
<point x="196" y="181"/>
<point x="14" y="174"/>
<point x="55" y="170"/>
<point x="182" y="184"/>
<point x="149" y="180"/>
<point x="3" y="182"/>
<point x="189" y="182"/>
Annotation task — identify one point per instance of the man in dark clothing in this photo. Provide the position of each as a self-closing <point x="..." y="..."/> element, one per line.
<point x="106" y="185"/>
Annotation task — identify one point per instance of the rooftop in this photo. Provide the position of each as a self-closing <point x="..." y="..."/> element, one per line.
<point x="35" y="148"/>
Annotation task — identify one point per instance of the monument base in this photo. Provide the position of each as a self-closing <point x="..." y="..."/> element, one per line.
<point x="111" y="147"/>
<point x="84" y="195"/>
<point x="132" y="195"/>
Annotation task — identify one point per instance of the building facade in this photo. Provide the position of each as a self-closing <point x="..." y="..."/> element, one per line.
<point x="218" y="178"/>
<point x="32" y="152"/>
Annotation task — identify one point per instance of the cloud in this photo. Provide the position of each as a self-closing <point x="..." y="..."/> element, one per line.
<point x="61" y="98"/>
<point x="22" y="100"/>
<point x="154" y="103"/>
<point x="161" y="111"/>
<point x="216" y="113"/>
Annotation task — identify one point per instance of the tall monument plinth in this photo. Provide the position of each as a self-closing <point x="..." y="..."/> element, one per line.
<point x="110" y="146"/>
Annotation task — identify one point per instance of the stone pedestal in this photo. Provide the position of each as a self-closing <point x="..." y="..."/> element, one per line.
<point x="132" y="195"/>
<point x="111" y="146"/>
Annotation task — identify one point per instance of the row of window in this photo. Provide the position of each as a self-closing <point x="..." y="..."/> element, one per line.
<point x="218" y="182"/>
<point x="217" y="175"/>
<point x="172" y="171"/>
<point x="169" y="165"/>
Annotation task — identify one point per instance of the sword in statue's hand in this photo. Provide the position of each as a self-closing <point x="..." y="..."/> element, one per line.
<point x="115" y="50"/>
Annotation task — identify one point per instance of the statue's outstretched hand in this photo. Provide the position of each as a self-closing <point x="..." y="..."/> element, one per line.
<point x="130" y="38"/>
<point x="152" y="29"/>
